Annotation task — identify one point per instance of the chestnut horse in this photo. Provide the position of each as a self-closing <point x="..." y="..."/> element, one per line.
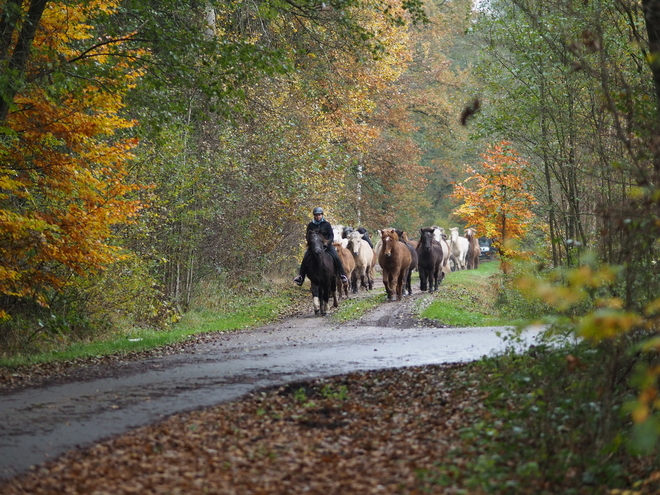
<point x="348" y="263"/>
<point x="431" y="258"/>
<point x="321" y="273"/>
<point x="395" y="260"/>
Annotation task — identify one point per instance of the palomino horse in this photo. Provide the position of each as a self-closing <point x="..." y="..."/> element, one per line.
<point x="321" y="273"/>
<point x="459" y="248"/>
<point x="364" y="261"/>
<point x="348" y="263"/>
<point x="474" y="250"/>
<point x="431" y="260"/>
<point x="395" y="260"/>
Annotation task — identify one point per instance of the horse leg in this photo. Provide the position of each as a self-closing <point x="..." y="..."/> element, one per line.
<point x="323" y="304"/>
<point x="387" y="282"/>
<point x="316" y="300"/>
<point x="363" y="274"/>
<point x="399" y="285"/>
<point x="333" y="290"/>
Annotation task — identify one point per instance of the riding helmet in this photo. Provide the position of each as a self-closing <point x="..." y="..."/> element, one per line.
<point x="317" y="211"/>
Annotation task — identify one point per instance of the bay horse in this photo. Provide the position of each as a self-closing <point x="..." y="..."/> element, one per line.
<point x="364" y="261"/>
<point x="474" y="250"/>
<point x="395" y="260"/>
<point x="430" y="260"/>
<point x="321" y="273"/>
<point x="348" y="262"/>
<point x="412" y="247"/>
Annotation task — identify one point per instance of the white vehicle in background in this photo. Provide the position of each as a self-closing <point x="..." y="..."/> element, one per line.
<point x="487" y="249"/>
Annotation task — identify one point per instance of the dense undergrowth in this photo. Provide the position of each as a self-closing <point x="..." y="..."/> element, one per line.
<point x="554" y="421"/>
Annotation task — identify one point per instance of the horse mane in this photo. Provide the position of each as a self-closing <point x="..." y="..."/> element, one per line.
<point x="325" y="241"/>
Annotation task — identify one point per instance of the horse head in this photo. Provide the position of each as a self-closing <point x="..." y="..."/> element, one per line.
<point x="337" y="231"/>
<point x="438" y="233"/>
<point x="390" y="238"/>
<point x="316" y="242"/>
<point x="426" y="238"/>
<point x="354" y="242"/>
<point x="470" y="233"/>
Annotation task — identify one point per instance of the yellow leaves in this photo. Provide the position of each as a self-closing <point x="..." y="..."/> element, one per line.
<point x="557" y="296"/>
<point x="69" y="174"/>
<point x="653" y="308"/>
<point x="585" y="276"/>
<point x="606" y="323"/>
<point x="566" y="289"/>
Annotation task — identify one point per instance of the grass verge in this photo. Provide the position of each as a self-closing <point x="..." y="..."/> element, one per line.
<point x="239" y="310"/>
<point x="467" y="298"/>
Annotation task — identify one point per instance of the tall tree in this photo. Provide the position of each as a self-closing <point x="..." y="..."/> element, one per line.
<point x="64" y="164"/>
<point x="496" y="200"/>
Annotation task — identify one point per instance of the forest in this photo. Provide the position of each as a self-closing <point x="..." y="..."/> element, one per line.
<point x="152" y="150"/>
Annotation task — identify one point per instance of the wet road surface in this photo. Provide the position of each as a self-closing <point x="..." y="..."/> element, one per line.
<point x="41" y="423"/>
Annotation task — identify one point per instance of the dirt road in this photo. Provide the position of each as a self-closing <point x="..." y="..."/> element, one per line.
<point x="40" y="423"/>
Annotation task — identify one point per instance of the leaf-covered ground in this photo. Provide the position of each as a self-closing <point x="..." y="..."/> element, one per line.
<point x="409" y="431"/>
<point x="377" y="432"/>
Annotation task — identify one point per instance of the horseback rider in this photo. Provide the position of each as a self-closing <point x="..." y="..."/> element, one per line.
<point x="325" y="229"/>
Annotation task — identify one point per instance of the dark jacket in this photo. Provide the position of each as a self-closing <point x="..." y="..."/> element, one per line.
<point x="324" y="228"/>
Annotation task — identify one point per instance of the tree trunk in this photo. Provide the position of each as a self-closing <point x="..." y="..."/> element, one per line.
<point x="14" y="71"/>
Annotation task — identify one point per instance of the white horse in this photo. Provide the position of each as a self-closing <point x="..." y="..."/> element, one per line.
<point x="459" y="247"/>
<point x="440" y="237"/>
<point x="337" y="231"/>
<point x="439" y="233"/>
<point x="364" y="261"/>
<point x="379" y="245"/>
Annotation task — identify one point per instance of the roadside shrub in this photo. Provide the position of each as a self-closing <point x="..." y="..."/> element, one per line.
<point x="556" y="424"/>
<point x="113" y="301"/>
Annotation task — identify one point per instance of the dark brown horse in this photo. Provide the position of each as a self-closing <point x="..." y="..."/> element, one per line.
<point x="321" y="272"/>
<point x="394" y="259"/>
<point x="430" y="258"/>
<point x="412" y="246"/>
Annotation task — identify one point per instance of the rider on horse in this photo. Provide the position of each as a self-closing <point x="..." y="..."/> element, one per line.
<point x="325" y="229"/>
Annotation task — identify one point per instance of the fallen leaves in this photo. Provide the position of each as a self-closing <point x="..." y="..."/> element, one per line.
<point x="371" y="432"/>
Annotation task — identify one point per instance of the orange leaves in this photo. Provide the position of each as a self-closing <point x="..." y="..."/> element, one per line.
<point x="63" y="175"/>
<point x="497" y="201"/>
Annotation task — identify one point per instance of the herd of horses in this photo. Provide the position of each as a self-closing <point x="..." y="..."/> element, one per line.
<point x="434" y="255"/>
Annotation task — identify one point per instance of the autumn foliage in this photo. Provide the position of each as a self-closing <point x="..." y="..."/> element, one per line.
<point x="63" y="161"/>
<point x="497" y="201"/>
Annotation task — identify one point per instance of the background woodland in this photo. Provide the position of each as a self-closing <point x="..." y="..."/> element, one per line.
<point x="152" y="151"/>
<point x="152" y="147"/>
